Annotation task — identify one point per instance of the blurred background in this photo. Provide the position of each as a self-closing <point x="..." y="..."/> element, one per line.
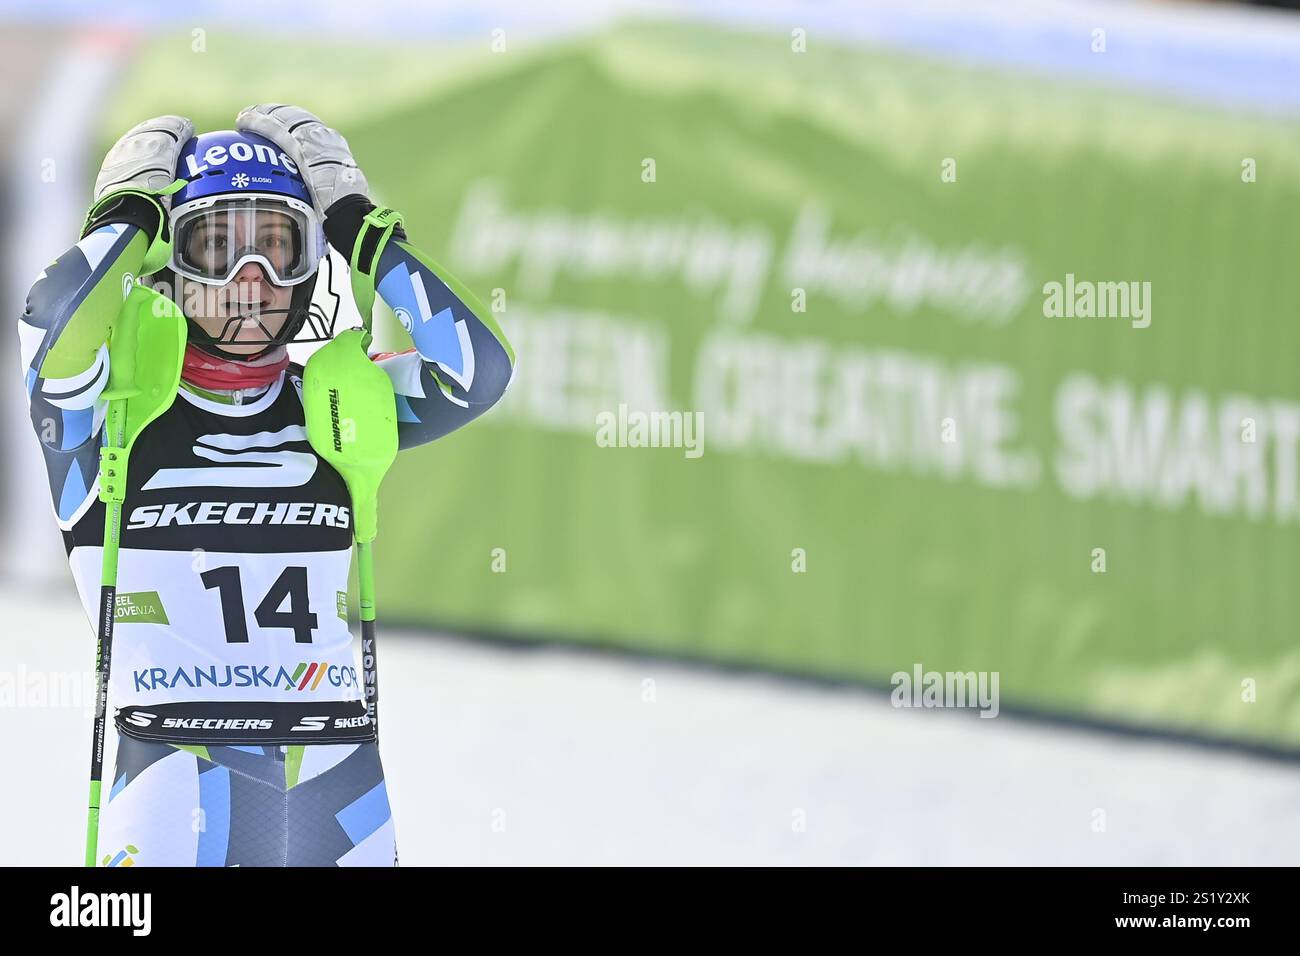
<point x="835" y="237"/>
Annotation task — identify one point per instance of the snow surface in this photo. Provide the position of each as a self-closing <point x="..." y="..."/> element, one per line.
<point x="500" y="756"/>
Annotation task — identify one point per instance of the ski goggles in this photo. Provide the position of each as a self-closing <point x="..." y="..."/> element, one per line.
<point x="213" y="238"/>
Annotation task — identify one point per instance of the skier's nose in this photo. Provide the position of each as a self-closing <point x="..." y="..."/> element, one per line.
<point x="249" y="273"/>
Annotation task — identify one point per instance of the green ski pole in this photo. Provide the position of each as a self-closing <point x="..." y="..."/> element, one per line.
<point x="145" y="351"/>
<point x="351" y="415"/>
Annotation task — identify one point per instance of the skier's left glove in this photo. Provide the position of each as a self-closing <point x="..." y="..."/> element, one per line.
<point x="321" y="154"/>
<point x="339" y="189"/>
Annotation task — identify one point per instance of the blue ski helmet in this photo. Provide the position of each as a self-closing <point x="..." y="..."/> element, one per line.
<point x="246" y="201"/>
<point x="228" y="161"/>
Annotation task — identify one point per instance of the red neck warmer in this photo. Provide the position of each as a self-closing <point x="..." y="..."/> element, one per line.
<point x="211" y="371"/>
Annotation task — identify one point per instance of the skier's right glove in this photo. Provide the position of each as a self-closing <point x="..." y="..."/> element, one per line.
<point x="138" y="175"/>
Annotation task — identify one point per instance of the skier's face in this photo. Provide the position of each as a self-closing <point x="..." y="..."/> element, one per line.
<point x="249" y="310"/>
<point x="243" y="312"/>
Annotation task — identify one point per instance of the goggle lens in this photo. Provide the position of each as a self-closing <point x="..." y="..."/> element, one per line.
<point x="211" y="244"/>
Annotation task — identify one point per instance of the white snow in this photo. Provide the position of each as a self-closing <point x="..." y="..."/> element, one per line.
<point x="547" y="756"/>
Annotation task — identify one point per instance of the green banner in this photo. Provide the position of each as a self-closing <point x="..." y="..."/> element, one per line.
<point x="849" y="363"/>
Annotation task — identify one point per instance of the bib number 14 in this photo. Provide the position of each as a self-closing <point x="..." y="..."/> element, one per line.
<point x="291" y="584"/>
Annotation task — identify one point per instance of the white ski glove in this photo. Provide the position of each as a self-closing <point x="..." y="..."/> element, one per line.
<point x="321" y="154"/>
<point x="144" y="158"/>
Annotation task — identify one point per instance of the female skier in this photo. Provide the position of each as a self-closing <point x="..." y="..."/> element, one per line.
<point x="242" y="737"/>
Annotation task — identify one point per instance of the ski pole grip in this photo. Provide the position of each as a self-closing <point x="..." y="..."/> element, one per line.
<point x="376" y="229"/>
